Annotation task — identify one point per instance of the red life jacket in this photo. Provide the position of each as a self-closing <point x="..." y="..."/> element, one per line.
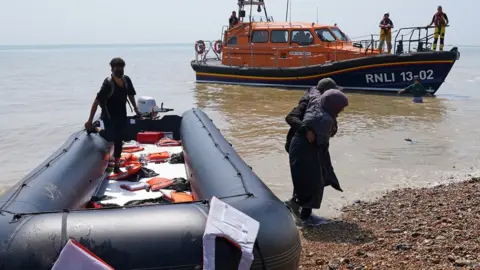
<point x="439" y="19"/>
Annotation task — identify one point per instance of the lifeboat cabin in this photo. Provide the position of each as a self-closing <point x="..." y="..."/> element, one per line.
<point x="283" y="44"/>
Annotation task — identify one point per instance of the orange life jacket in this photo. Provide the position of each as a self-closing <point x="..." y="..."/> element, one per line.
<point x="131" y="170"/>
<point x="158" y="183"/>
<point x="177" y="197"/>
<point x="132" y="149"/>
<point x="168" y="142"/>
<point x="158" y="157"/>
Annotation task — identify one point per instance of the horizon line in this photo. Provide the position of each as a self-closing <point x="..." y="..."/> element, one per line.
<point x="53" y="45"/>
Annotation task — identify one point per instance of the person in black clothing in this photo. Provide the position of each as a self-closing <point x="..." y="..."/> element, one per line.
<point x="233" y="20"/>
<point x="310" y="163"/>
<point x="295" y="120"/>
<point x="112" y="98"/>
<point x="295" y="117"/>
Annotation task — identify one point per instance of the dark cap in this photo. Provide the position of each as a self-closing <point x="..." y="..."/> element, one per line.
<point x="117" y="61"/>
<point x="326" y="84"/>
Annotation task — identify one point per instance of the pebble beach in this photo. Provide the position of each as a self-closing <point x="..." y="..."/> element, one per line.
<point x="425" y="228"/>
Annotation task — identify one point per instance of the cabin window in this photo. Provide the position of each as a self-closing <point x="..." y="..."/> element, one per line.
<point x="279" y="36"/>
<point x="325" y="35"/>
<point x="339" y="34"/>
<point x="232" y="40"/>
<point x="302" y="37"/>
<point x="260" y="36"/>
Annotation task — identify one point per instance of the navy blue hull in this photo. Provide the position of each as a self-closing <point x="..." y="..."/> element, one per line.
<point x="376" y="73"/>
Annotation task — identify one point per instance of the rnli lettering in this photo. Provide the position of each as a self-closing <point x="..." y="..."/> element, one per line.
<point x="380" y="77"/>
<point x="405" y="76"/>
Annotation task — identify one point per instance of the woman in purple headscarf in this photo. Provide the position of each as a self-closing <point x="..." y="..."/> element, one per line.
<point x="310" y="163"/>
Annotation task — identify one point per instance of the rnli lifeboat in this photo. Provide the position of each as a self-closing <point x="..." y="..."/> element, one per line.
<point x="299" y="54"/>
<point x="183" y="200"/>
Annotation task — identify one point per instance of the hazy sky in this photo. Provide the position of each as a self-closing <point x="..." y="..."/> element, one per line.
<point x="156" y="21"/>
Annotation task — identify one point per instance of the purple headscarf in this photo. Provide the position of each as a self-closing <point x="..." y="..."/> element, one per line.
<point x="333" y="101"/>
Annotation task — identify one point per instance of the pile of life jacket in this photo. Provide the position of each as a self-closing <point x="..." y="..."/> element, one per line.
<point x="174" y="190"/>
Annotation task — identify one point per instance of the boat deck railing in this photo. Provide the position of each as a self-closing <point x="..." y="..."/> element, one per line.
<point x="407" y="39"/>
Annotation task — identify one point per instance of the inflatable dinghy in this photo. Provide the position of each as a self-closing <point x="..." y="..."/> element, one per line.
<point x="156" y="212"/>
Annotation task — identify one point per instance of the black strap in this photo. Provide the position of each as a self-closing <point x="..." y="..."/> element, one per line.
<point x="264" y="266"/>
<point x="112" y="89"/>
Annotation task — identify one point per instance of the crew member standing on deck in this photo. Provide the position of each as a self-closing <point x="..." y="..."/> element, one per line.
<point x="233" y="20"/>
<point x="112" y="98"/>
<point x="440" y="20"/>
<point x="386" y="26"/>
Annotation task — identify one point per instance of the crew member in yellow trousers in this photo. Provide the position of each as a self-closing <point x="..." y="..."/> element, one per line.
<point x="386" y="26"/>
<point x="440" y="20"/>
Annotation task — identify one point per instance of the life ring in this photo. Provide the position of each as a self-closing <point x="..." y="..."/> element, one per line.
<point x="217" y="46"/>
<point x="200" y="47"/>
<point x="132" y="149"/>
<point x="131" y="170"/>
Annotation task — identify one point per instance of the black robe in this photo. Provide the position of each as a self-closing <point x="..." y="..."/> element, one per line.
<point x="310" y="164"/>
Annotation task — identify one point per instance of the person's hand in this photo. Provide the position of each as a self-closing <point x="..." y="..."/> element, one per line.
<point x="310" y="136"/>
<point x="137" y="111"/>
<point x="89" y="125"/>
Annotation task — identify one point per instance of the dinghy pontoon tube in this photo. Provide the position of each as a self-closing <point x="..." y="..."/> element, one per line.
<point x="34" y="228"/>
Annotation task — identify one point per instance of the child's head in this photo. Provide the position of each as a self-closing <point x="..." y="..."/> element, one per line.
<point x="416" y="79"/>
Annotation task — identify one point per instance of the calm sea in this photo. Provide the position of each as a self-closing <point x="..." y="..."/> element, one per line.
<point x="47" y="93"/>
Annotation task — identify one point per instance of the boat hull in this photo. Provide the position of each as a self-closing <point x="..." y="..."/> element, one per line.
<point x="385" y="73"/>
<point x="34" y="227"/>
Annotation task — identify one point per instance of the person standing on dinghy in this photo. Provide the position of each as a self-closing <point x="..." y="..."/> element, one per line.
<point x="112" y="98"/>
<point x="310" y="163"/>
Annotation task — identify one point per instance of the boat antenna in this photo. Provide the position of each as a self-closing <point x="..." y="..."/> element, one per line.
<point x="290" y="13"/>
<point x="286" y="13"/>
